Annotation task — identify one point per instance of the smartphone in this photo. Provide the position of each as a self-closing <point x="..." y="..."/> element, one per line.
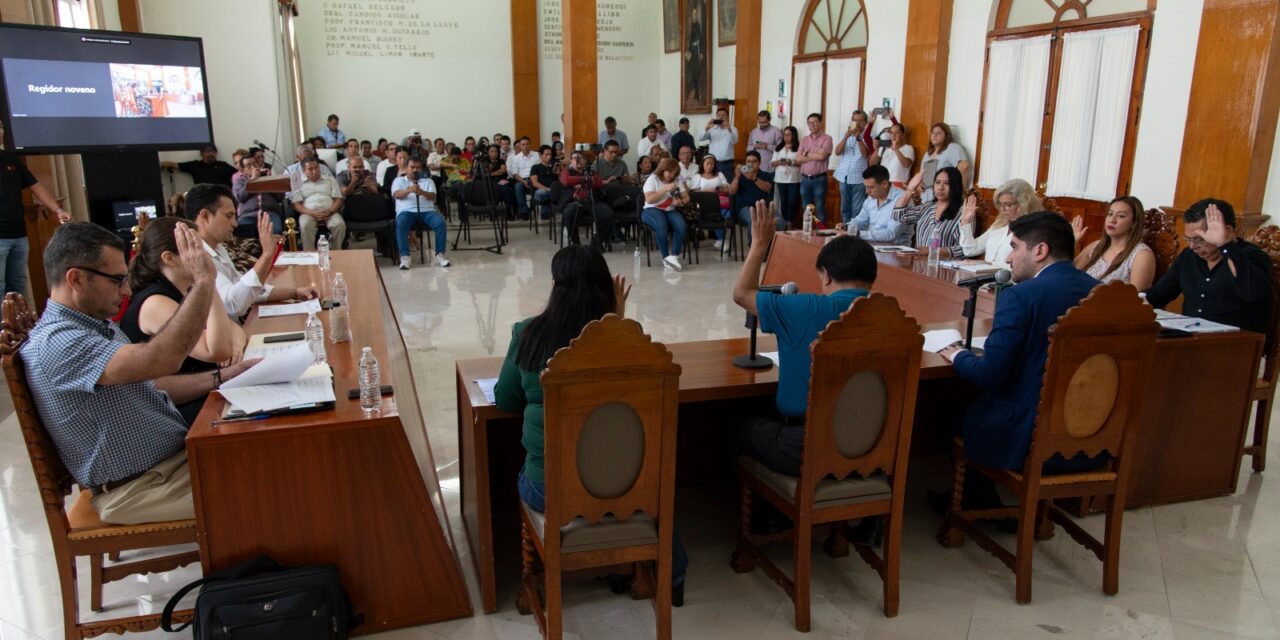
<point x="354" y="394"/>
<point x="284" y="337"/>
<point x="717" y="121"/>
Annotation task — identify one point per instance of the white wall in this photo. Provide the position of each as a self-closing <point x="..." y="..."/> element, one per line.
<point x="967" y="57"/>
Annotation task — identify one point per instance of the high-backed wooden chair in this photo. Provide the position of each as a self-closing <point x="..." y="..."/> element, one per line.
<point x="862" y="398"/>
<point x="1160" y="233"/>
<point x="78" y="531"/>
<point x="1264" y="392"/>
<point x="610" y="401"/>
<point x="985" y="215"/>
<point x="1100" y="355"/>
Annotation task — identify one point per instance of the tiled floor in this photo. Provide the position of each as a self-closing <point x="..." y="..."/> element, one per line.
<point x="1207" y="569"/>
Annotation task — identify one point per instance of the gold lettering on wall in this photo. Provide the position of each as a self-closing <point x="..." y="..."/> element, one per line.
<point x="612" y="41"/>
<point x="382" y="28"/>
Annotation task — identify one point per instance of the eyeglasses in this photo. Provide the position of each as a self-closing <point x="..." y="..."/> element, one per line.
<point x="1195" y="242"/>
<point x="1007" y="205"/>
<point x="116" y="278"/>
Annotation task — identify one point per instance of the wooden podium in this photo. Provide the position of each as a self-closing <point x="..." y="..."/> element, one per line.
<point x="270" y="184"/>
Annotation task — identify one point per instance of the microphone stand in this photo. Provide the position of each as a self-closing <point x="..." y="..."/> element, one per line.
<point x="753" y="360"/>
<point x="970" y="312"/>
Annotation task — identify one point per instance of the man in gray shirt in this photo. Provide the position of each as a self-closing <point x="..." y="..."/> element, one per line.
<point x="109" y="405"/>
<point x="611" y="132"/>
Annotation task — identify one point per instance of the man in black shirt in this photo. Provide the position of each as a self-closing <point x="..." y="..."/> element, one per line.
<point x="207" y="170"/>
<point x="14" y="177"/>
<point x="545" y="181"/>
<point x="683" y="138"/>
<point x="1221" y="277"/>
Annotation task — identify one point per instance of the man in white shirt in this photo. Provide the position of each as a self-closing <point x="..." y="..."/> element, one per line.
<point x="519" y="165"/>
<point x="353" y="150"/>
<point x="649" y="141"/>
<point x="415" y="195"/>
<point x="212" y="209"/>
<point x="722" y="136"/>
<point x="688" y="168"/>
<point x="294" y="171"/>
<point x="317" y="199"/>
<point x="388" y="162"/>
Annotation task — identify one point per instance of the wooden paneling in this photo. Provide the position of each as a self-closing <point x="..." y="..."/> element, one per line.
<point x="130" y="16"/>
<point x="525" y="53"/>
<point x="1235" y="96"/>
<point x="581" y="87"/>
<point x="924" y="93"/>
<point x="746" y="92"/>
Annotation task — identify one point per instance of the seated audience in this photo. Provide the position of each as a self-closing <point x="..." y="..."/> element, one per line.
<point x="751" y="185"/>
<point x="399" y="164"/>
<point x="351" y="150"/>
<point x="469" y="148"/>
<point x="1221" y="277"/>
<point x="582" y="198"/>
<point x="249" y="206"/>
<point x="682" y="138"/>
<point x="847" y="269"/>
<point x="1120" y="253"/>
<point x="318" y="199"/>
<point x="109" y="405"/>
<point x="361" y="195"/>
<point x="620" y="188"/>
<point x="388" y="163"/>
<point x="581" y="291"/>
<point x="260" y="156"/>
<point x="945" y="152"/>
<point x="875" y="220"/>
<point x="235" y="158"/>
<point x="493" y="166"/>
<point x="207" y="170"/>
<point x="458" y="169"/>
<point x="157" y="279"/>
<point x="644" y="168"/>
<point x="519" y="166"/>
<point x="611" y="133"/>
<point x="504" y="146"/>
<point x="415" y="194"/>
<point x="661" y="194"/>
<point x="688" y="168"/>
<point x="710" y="180"/>
<point x="649" y="141"/>
<point x="940" y="215"/>
<point x="294" y="171"/>
<point x="786" y="176"/>
<point x="211" y="209"/>
<point x="330" y="135"/>
<point x="664" y="135"/>
<point x="1014" y="199"/>
<point x="545" y="181"/>
<point x="366" y="152"/>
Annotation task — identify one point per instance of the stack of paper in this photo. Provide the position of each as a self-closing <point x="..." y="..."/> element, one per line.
<point x="486" y="387"/>
<point x="288" y="309"/>
<point x="297" y="259"/>
<point x="1171" y="320"/>
<point x="885" y="248"/>
<point x="285" y="378"/>
<point x="939" y="339"/>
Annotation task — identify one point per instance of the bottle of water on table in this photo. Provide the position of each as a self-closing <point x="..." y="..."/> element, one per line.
<point x="339" y="313"/>
<point x="322" y="248"/>
<point x="808" y="220"/>
<point x="314" y="332"/>
<point x="935" y="247"/>
<point x="370" y="381"/>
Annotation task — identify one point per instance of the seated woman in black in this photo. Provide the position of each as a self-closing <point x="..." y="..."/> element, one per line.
<point x="581" y="291"/>
<point x="158" y="280"/>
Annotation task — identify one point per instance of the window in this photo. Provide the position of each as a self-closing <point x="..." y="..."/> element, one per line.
<point x="1058" y="108"/>
<point x="74" y="14"/>
<point x="830" y="64"/>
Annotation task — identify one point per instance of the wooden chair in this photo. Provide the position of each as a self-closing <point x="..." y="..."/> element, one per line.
<point x="1160" y="232"/>
<point x="79" y="531"/>
<point x="984" y="216"/>
<point x="1264" y="392"/>
<point x="1100" y="355"/>
<point x="862" y="398"/>
<point x="610" y="401"/>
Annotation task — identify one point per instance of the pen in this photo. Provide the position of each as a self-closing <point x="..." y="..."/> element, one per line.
<point x="259" y="416"/>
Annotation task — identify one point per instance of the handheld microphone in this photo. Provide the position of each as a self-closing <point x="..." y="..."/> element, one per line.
<point x="1002" y="276"/>
<point x="781" y="289"/>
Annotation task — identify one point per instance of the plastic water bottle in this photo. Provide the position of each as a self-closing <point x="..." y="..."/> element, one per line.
<point x="808" y="220"/>
<point x="370" y="381"/>
<point x="339" y="313"/>
<point x="322" y="248"/>
<point x="314" y="332"/>
<point x="935" y="247"/>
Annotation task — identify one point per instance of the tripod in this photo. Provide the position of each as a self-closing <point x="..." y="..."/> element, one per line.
<point x="483" y="181"/>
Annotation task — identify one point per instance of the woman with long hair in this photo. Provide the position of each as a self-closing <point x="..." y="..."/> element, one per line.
<point x="897" y="157"/>
<point x="158" y="280"/>
<point x="582" y="290"/>
<point x="945" y="152"/>
<point x="941" y="214"/>
<point x="1014" y="199"/>
<point x="1120" y="253"/>
<point x="644" y="168"/>
<point x="662" y="193"/>
<point x="710" y="180"/>
<point x="786" y="175"/>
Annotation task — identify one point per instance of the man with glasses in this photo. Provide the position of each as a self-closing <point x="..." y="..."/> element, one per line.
<point x="1221" y="277"/>
<point x="109" y="405"/>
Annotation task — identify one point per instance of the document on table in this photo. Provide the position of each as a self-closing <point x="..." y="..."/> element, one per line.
<point x="298" y="259"/>
<point x="939" y="339"/>
<point x="772" y="355"/>
<point x="285" y="366"/>
<point x="972" y="266"/>
<point x="486" y="386"/>
<point x="894" y="249"/>
<point x="1171" y="320"/>
<point x="314" y="387"/>
<point x="288" y="309"/>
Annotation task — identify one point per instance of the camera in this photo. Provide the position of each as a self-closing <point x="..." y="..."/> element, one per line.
<point x="744" y="169"/>
<point x="717" y="121"/>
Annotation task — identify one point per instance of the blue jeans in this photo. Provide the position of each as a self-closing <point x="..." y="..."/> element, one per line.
<point x="522" y="198"/>
<point x="534" y="494"/>
<point x="744" y="218"/>
<point x="13" y="264"/>
<point x="663" y="222"/>
<point x="813" y="191"/>
<point x="851" y="198"/>
<point x="431" y="219"/>
<point x="542" y="198"/>
<point x="788" y="200"/>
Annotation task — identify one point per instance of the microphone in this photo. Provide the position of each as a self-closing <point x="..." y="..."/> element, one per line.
<point x="787" y="289"/>
<point x="1002" y="276"/>
<point x="261" y="146"/>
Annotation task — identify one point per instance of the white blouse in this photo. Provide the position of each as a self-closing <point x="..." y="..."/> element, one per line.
<point x="992" y="246"/>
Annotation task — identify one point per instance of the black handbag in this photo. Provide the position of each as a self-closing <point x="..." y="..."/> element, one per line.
<point x="261" y="599"/>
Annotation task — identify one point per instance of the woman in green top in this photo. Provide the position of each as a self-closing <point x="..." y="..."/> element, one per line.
<point x="582" y="290"/>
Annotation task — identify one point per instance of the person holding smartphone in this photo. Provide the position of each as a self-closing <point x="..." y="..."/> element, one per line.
<point x="854" y="150"/>
<point x="251" y="205"/>
<point x="722" y="136"/>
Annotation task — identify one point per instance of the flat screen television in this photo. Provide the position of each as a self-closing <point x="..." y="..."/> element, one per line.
<point x="127" y="212"/>
<point x="77" y="91"/>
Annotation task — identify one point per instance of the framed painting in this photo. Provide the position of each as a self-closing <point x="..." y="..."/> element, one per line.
<point x="695" y="56"/>
<point x="727" y="22"/>
<point x="670" y="26"/>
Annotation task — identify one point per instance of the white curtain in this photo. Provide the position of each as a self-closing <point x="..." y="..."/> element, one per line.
<point x="844" y="94"/>
<point x="1092" y="114"/>
<point x="806" y="94"/>
<point x="1013" y="119"/>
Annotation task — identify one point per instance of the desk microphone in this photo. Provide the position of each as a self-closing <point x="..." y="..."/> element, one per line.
<point x="754" y="360"/>
<point x="1002" y="276"/>
<point x="262" y="146"/>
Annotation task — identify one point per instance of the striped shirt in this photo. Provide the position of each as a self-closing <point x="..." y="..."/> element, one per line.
<point x="924" y="216"/>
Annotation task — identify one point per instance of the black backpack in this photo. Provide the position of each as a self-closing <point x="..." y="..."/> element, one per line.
<point x="260" y="599"/>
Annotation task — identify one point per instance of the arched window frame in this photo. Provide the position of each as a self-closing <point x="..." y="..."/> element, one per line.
<point x="834" y="50"/>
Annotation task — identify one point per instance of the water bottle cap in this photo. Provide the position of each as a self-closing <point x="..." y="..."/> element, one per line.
<point x="367" y="350"/>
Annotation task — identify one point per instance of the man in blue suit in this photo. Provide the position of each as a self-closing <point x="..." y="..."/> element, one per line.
<point x="997" y="427"/>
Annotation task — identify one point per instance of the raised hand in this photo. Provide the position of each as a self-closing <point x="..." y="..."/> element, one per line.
<point x="1216" y="232"/>
<point x="916" y="182"/>
<point x="969" y="211"/>
<point x="266" y="233"/>
<point x="762" y="224"/>
<point x="192" y="254"/>
<point x="1077" y="227"/>
<point x="621" y="290"/>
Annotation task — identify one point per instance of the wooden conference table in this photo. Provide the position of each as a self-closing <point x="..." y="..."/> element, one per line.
<point x="1190" y="446"/>
<point x="335" y="486"/>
